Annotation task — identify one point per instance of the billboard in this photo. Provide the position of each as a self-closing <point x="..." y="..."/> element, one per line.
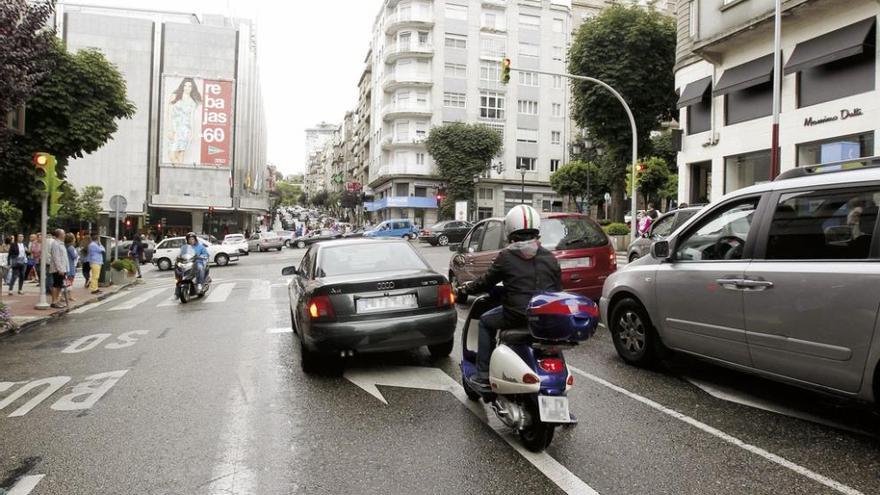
<point x="196" y="121"/>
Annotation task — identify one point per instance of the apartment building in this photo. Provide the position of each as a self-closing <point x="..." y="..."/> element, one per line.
<point x="830" y="106"/>
<point x="317" y="137"/>
<point x="435" y="62"/>
<point x="362" y="142"/>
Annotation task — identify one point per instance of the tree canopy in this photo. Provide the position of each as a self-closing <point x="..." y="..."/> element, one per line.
<point x="576" y="180"/>
<point x="289" y="193"/>
<point x="25" y="45"/>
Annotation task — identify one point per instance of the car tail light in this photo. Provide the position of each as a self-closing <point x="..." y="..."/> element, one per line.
<point x="530" y="379"/>
<point x="551" y="365"/>
<point x="570" y="380"/>
<point x="445" y="296"/>
<point x="321" y="307"/>
<point x="612" y="257"/>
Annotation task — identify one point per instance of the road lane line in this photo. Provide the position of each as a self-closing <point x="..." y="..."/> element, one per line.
<point x="261" y="290"/>
<point x="25" y="484"/>
<point x="279" y="330"/>
<point x="169" y="301"/>
<point x="133" y="302"/>
<point x="110" y="298"/>
<point x="828" y="482"/>
<point x="220" y="294"/>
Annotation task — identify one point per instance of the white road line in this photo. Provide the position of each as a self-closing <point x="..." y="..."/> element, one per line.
<point x="134" y="301"/>
<point x="261" y="290"/>
<point x="279" y="330"/>
<point x="169" y="301"/>
<point x="25" y="484"/>
<point x="220" y="293"/>
<point x="87" y="307"/>
<point x="828" y="482"/>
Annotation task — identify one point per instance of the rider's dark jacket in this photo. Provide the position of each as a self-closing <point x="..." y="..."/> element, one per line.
<point x="522" y="278"/>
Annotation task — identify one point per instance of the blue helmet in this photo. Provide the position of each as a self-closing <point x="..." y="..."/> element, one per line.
<point x="562" y="316"/>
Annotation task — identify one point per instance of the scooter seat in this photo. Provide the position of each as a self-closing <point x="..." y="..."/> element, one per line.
<point x="516" y="336"/>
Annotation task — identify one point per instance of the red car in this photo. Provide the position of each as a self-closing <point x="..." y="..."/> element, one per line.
<point x="584" y="251"/>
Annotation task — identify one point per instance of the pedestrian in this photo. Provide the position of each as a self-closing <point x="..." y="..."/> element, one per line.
<point x="652" y="212"/>
<point x="5" y="268"/>
<point x="644" y="224"/>
<point x="18" y="262"/>
<point x="57" y="266"/>
<point x="36" y="250"/>
<point x="95" y="259"/>
<point x="84" y="256"/>
<point x="72" y="259"/>
<point x="136" y="252"/>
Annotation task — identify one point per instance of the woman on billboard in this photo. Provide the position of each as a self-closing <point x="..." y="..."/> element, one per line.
<point x="183" y="102"/>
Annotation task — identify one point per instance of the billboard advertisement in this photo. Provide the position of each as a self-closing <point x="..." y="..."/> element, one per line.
<point x="197" y="121"/>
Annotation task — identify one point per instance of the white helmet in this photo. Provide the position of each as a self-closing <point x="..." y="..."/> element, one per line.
<point x="522" y="219"/>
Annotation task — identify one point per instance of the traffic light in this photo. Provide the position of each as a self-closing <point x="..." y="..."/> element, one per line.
<point x="47" y="179"/>
<point x="40" y="173"/>
<point x="441" y="195"/>
<point x="505" y="70"/>
<point x="127" y="223"/>
<point x="146" y="218"/>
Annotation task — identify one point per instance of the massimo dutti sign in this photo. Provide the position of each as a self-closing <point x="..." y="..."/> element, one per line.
<point x="843" y="115"/>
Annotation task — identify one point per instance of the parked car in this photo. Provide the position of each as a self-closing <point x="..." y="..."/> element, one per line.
<point x="662" y="227"/>
<point x="167" y="250"/>
<point x="264" y="241"/>
<point x="208" y="237"/>
<point x="357" y="295"/>
<point x="445" y="232"/>
<point x="149" y="249"/>
<point x="287" y="236"/>
<point x="585" y="253"/>
<point x="358" y="232"/>
<point x="238" y="242"/>
<point x="402" y="227"/>
<point x="316" y="236"/>
<point x="627" y="217"/>
<point x="777" y="279"/>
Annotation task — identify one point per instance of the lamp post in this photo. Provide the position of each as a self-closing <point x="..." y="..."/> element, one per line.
<point x="522" y="192"/>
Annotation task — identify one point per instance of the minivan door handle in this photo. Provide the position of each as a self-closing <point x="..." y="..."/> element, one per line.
<point x="756" y="285"/>
<point x="730" y="283"/>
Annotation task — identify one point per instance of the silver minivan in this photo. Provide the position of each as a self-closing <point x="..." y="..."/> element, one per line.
<point x="780" y="279"/>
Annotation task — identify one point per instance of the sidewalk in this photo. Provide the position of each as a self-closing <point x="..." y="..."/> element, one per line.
<point x="22" y="306"/>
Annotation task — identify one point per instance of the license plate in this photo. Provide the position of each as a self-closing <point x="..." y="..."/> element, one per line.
<point x="576" y="263"/>
<point x="553" y="409"/>
<point x="386" y="303"/>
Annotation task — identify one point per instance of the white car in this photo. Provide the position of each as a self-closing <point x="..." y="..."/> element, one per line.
<point x="238" y="242"/>
<point x="167" y="250"/>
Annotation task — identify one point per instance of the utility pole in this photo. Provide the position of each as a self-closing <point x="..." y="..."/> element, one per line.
<point x="522" y="193"/>
<point x="777" y="89"/>
<point x="44" y="216"/>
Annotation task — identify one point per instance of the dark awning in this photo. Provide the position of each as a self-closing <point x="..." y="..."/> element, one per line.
<point x="694" y="92"/>
<point x="744" y="76"/>
<point x="844" y="42"/>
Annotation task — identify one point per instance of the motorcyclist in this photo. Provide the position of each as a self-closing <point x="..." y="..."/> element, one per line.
<point x="200" y="254"/>
<point x="525" y="268"/>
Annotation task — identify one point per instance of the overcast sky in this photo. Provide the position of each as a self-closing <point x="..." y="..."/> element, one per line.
<point x="311" y="55"/>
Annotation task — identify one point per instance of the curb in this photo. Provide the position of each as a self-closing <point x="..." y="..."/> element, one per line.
<point x="40" y="321"/>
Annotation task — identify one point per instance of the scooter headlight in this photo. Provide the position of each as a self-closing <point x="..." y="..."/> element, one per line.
<point x="185" y="266"/>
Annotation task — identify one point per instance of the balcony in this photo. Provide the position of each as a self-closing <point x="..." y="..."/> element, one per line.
<point x="404" y="169"/>
<point x="393" y="81"/>
<point x="408" y="50"/>
<point x="494" y="3"/>
<point x="393" y="111"/>
<point x="408" y="19"/>
<point x="391" y="142"/>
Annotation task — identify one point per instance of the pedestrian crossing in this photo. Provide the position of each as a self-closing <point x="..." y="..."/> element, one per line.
<point x="162" y="295"/>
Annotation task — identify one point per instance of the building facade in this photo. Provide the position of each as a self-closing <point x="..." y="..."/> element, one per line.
<point x="436" y="62"/>
<point x="317" y="176"/>
<point x="830" y="106"/>
<point x="197" y="140"/>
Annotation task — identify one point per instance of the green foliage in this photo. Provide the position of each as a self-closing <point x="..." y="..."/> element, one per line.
<point x="670" y="189"/>
<point x="10" y="218"/>
<point x="26" y="40"/>
<point x="319" y="198"/>
<point x="616" y="229"/>
<point x="653" y="179"/>
<point x="124" y="264"/>
<point x="574" y="180"/>
<point x="77" y="208"/>
<point x="288" y="192"/>
<point x="461" y="152"/>
<point x="89" y="205"/>
<point x="661" y="147"/>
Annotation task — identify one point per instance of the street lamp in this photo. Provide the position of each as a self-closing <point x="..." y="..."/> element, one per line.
<point x="522" y="192"/>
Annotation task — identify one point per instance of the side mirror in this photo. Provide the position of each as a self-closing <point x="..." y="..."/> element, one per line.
<point x="660" y="250"/>
<point x="455" y="247"/>
<point x="290" y="270"/>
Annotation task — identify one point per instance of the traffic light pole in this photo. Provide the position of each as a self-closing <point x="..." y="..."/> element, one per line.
<point x="632" y="123"/>
<point x="44" y="215"/>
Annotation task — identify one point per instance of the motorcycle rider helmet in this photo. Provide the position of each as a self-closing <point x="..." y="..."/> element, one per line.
<point x="522" y="223"/>
<point x="191" y="235"/>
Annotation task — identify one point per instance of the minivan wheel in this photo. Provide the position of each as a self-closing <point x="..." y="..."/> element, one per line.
<point x="633" y="257"/>
<point x="633" y="335"/>
<point x="300" y="244"/>
<point x="164" y="264"/>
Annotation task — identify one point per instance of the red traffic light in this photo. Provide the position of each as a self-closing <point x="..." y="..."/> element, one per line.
<point x="40" y="159"/>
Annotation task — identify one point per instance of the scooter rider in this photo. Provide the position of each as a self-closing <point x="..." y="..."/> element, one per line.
<point x="200" y="252"/>
<point x="526" y="268"/>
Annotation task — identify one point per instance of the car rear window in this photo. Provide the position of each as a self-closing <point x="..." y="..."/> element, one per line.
<point x="571" y="233"/>
<point x="368" y="258"/>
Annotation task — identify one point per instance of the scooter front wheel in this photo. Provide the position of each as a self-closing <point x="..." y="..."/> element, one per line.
<point x="183" y="295"/>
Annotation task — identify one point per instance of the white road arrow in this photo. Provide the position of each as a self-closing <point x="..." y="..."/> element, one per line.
<point x="436" y="379"/>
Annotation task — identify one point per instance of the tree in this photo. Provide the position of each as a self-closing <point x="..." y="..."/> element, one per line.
<point x="633" y="50"/>
<point x="461" y="152"/>
<point x="25" y="40"/>
<point x="661" y="147"/>
<point x="575" y="180"/>
<point x="653" y="178"/>
<point x="319" y="198"/>
<point x="90" y="204"/>
<point x="10" y="218"/>
<point x="289" y="193"/>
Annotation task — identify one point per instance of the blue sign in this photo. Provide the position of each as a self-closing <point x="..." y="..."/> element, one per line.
<point x="401" y="202"/>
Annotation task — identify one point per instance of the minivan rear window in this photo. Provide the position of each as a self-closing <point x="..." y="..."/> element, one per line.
<point x="571" y="233"/>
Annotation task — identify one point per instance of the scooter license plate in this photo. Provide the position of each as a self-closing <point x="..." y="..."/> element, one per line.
<point x="553" y="409"/>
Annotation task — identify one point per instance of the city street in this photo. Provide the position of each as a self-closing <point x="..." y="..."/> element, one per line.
<point x="140" y="394"/>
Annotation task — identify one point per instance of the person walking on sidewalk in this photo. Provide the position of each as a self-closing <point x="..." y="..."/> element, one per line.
<point x="84" y="256"/>
<point x="34" y="250"/>
<point x="17" y="263"/>
<point x="136" y="252"/>
<point x="72" y="259"/>
<point x="57" y="266"/>
<point x="95" y="259"/>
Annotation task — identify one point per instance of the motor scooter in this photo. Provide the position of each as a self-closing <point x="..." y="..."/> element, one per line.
<point x="528" y="376"/>
<point x="186" y="274"/>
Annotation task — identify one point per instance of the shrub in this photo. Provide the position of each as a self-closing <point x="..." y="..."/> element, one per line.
<point x="124" y="264"/>
<point x="616" y="229"/>
<point x="604" y="221"/>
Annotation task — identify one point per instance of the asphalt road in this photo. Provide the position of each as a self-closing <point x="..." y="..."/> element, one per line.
<point x="143" y="395"/>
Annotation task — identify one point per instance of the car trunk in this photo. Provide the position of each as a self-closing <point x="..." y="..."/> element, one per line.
<point x="381" y="295"/>
<point x="585" y="270"/>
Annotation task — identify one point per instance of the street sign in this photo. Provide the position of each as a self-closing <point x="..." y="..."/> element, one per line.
<point x="607" y="197"/>
<point x="118" y="203"/>
<point x="461" y="208"/>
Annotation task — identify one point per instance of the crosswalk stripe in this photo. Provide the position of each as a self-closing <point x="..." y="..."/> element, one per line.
<point x="131" y="303"/>
<point x="108" y="299"/>
<point x="170" y="301"/>
<point x="25" y="484"/>
<point x="260" y="290"/>
<point x="220" y="294"/>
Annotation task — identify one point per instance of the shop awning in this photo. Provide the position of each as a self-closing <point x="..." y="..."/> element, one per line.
<point x="694" y="92"/>
<point x="842" y="43"/>
<point x="745" y="76"/>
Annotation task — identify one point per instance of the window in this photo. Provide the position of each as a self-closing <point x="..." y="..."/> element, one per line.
<point x="527" y="107"/>
<point x="421" y="129"/>
<point x="836" y="149"/>
<point x="823" y="225"/>
<point x="491" y="105"/>
<point x="558" y="26"/>
<point x="420" y="191"/>
<point x="490" y="71"/>
<point x="494" y="47"/>
<point x="845" y="77"/>
<point x="420" y="160"/>
<point x="484" y="213"/>
<point x="528" y="79"/>
<point x="555" y="137"/>
<point x="747" y="104"/>
<point x="401" y="189"/>
<point x="458" y="71"/>
<point x="403" y="39"/>
<point x="694" y="19"/>
<point x="745" y="170"/>
<point x="699" y="114"/>
<point x="554" y="165"/>
<point x="422" y="98"/>
<point x="527" y="21"/>
<point x="721" y="236"/>
<point x="423" y="38"/>
<point x="525" y="163"/>
<point x="457" y="12"/>
<point x="493" y="236"/>
<point x="552" y="206"/>
<point x="494" y="19"/>
<point x="663" y="227"/>
<point x="557" y="109"/>
<point x="402" y="129"/>
<point x="527" y="135"/>
<point x="557" y="82"/>
<point x="558" y="54"/>
<point x="486" y="193"/>
<point x="473" y="240"/>
<point x="528" y="49"/>
<point x="454" y="100"/>
<point x="455" y="41"/>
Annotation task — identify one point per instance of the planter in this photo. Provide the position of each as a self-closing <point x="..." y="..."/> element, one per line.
<point x="621" y="242"/>
<point x="119" y="277"/>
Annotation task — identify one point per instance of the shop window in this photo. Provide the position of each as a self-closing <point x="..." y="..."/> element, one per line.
<point x="748" y="104"/>
<point x="745" y="170"/>
<point x="836" y="149"/>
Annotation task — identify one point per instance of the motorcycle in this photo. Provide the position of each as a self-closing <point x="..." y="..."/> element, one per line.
<point x="186" y="274"/>
<point x="528" y="375"/>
